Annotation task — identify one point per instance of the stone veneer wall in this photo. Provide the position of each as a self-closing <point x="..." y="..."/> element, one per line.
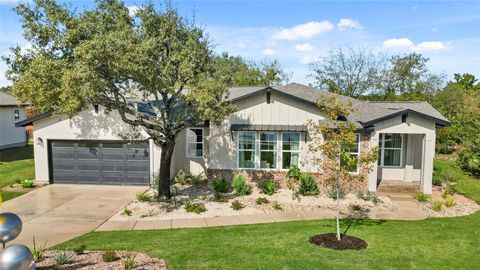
<point x="359" y="181"/>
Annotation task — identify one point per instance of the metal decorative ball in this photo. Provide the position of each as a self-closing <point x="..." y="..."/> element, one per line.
<point x="10" y="227"/>
<point x="16" y="257"/>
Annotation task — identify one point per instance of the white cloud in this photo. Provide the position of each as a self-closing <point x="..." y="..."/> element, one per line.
<point x="132" y="10"/>
<point x="306" y="47"/>
<point x="242" y="45"/>
<point x="308" y="59"/>
<point x="396" y="43"/>
<point x="304" y="31"/>
<point x="345" y="24"/>
<point x="268" y="52"/>
<point x="431" y="46"/>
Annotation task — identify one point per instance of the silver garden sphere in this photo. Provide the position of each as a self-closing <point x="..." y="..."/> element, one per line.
<point x="16" y="257"/>
<point x="10" y="227"/>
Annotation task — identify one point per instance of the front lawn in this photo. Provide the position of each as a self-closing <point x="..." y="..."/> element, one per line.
<point x="437" y="243"/>
<point x="16" y="164"/>
<point x="465" y="184"/>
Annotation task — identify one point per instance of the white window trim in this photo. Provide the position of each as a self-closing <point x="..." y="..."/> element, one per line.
<point x="382" y="150"/>
<point x="255" y="150"/>
<point x="299" y="151"/>
<point x="260" y="150"/>
<point x="14" y="110"/>
<point x="358" y="151"/>
<point x="188" y="143"/>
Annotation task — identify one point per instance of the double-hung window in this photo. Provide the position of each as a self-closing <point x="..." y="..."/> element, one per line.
<point x="290" y="149"/>
<point x="195" y="142"/>
<point x="268" y="150"/>
<point x="354" y="152"/>
<point x="246" y="149"/>
<point x="16" y="114"/>
<point x="390" y="150"/>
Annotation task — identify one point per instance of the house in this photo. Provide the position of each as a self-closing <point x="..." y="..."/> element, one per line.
<point x="11" y="111"/>
<point x="265" y="135"/>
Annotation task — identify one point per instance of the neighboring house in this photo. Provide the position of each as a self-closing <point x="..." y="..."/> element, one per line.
<point x="265" y="135"/>
<point x="11" y="111"/>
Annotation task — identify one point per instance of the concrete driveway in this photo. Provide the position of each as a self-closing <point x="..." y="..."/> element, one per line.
<point x="57" y="213"/>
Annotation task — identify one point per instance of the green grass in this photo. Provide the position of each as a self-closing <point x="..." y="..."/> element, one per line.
<point x="7" y="195"/>
<point x="437" y="243"/>
<point x="465" y="183"/>
<point x="16" y="164"/>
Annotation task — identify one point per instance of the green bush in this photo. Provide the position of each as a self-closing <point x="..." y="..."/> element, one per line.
<point x="220" y="185"/>
<point x="128" y="261"/>
<point x="240" y="186"/>
<point x="109" y="256"/>
<point x="262" y="200"/>
<point x="197" y="179"/>
<point x="449" y="201"/>
<point x="126" y="212"/>
<point x="445" y="147"/>
<point x="269" y="187"/>
<point x="469" y="157"/>
<point x="27" y="184"/>
<point x="421" y="197"/>
<point x="236" y="205"/>
<point x="195" y="207"/>
<point x="332" y="193"/>
<point x="308" y="185"/>
<point x="437" y="179"/>
<point x="182" y="178"/>
<point x="80" y="249"/>
<point x="276" y="206"/>
<point x="144" y="196"/>
<point x="218" y="197"/>
<point x="437" y="205"/>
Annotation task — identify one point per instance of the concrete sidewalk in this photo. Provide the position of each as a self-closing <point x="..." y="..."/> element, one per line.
<point x="407" y="210"/>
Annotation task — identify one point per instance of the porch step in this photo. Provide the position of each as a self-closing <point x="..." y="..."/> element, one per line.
<point x="398" y="187"/>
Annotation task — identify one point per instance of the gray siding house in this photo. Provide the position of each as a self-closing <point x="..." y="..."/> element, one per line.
<point x="262" y="138"/>
<point x="11" y="111"/>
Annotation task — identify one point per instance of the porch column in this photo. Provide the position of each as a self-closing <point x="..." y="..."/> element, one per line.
<point x="372" y="176"/>
<point x="408" y="158"/>
<point x="427" y="168"/>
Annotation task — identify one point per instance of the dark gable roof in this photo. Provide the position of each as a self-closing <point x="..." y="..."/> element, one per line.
<point x="366" y="114"/>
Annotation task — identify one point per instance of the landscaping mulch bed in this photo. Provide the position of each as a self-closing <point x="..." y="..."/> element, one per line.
<point x="92" y="260"/>
<point x="329" y="240"/>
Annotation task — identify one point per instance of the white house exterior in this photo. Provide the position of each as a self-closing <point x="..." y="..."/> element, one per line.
<point x="11" y="111"/>
<point x="262" y="138"/>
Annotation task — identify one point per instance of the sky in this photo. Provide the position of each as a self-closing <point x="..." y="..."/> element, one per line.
<point x="298" y="33"/>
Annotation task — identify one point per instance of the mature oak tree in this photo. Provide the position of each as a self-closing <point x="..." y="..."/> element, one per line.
<point x="155" y="59"/>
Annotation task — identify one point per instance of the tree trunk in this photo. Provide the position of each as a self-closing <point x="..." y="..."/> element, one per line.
<point x="164" y="171"/>
<point x="337" y="187"/>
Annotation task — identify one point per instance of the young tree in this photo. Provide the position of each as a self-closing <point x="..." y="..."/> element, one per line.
<point x="247" y="73"/>
<point x="155" y="59"/>
<point x="350" y="72"/>
<point x="334" y="138"/>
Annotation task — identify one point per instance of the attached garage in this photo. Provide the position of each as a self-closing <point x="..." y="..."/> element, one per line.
<point x="99" y="162"/>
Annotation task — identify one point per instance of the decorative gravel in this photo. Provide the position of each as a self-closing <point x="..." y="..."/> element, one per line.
<point x="204" y="195"/>
<point x="92" y="260"/>
<point x="463" y="206"/>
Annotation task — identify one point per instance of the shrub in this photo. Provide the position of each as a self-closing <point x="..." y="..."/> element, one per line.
<point x="449" y="201"/>
<point x="126" y="212"/>
<point x="445" y="147"/>
<point x="437" y="205"/>
<point x="308" y="185"/>
<point x="447" y="191"/>
<point x="144" y="196"/>
<point x="276" y="206"/>
<point x="27" y="184"/>
<point x="376" y="200"/>
<point x="109" y="256"/>
<point x="262" y="200"/>
<point x="220" y="185"/>
<point x="240" y="186"/>
<point x="197" y="179"/>
<point x="80" y="249"/>
<point x="62" y="257"/>
<point x="293" y="177"/>
<point x="421" y="197"/>
<point x="18" y="181"/>
<point x="218" y="197"/>
<point x="182" y="178"/>
<point x="128" y="261"/>
<point x="269" y="187"/>
<point x="469" y="157"/>
<point x="195" y="207"/>
<point x="38" y="251"/>
<point x="332" y="193"/>
<point x="236" y="205"/>
<point x="355" y="207"/>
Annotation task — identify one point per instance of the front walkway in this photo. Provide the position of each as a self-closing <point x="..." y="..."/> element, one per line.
<point x="57" y="213"/>
<point x="407" y="210"/>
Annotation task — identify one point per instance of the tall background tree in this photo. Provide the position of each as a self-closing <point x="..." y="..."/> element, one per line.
<point x="104" y="56"/>
<point x="248" y="73"/>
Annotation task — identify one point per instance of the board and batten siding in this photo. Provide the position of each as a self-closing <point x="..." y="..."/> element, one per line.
<point x="256" y="111"/>
<point x="11" y="136"/>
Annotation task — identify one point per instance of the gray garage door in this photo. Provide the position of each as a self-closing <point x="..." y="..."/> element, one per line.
<point x="100" y="162"/>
